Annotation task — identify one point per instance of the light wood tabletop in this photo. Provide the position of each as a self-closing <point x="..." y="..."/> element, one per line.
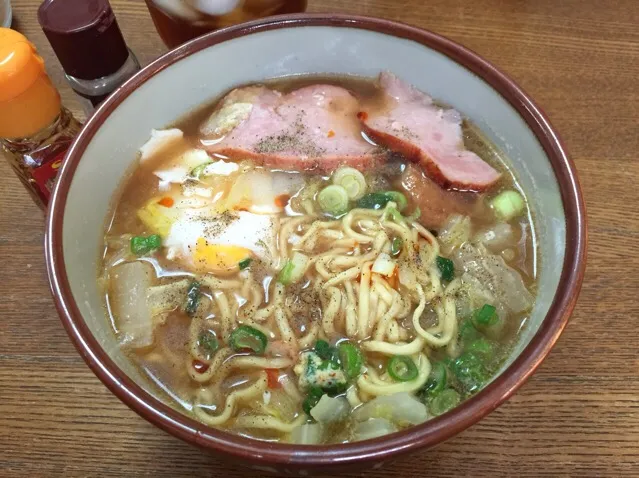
<point x="577" y="416"/>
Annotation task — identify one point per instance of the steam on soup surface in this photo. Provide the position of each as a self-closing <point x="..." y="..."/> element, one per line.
<point x="319" y="261"/>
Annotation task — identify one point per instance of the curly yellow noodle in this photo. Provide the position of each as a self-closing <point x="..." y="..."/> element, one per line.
<point x="219" y="358"/>
<point x="330" y="312"/>
<point x="382" y="289"/>
<point x="307" y="340"/>
<point x="391" y="313"/>
<point x="250" y="392"/>
<point x="352" y="396"/>
<point x="245" y="362"/>
<point x="388" y="388"/>
<point x="394" y="349"/>
<point x="226" y="318"/>
<point x="216" y="284"/>
<point x="364" y="300"/>
<point x="347" y="222"/>
<point x="286" y="332"/>
<point x="286" y="231"/>
<point x="347" y="275"/>
<point x="321" y="267"/>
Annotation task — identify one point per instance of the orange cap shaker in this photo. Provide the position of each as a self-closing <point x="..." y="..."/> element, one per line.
<point x="28" y="100"/>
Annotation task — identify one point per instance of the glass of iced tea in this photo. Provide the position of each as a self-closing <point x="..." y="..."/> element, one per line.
<point x="178" y="21"/>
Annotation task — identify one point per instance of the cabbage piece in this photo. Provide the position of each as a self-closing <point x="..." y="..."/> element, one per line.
<point x="494" y="276"/>
<point x="157" y="218"/>
<point x="165" y="298"/>
<point x="258" y="191"/>
<point x="455" y="231"/>
<point x="406" y="275"/>
<point x="307" y="434"/>
<point x="400" y="408"/>
<point x="160" y="140"/>
<point x="330" y="409"/>
<point x="279" y="405"/>
<point x="130" y="282"/>
<point x="384" y="265"/>
<point x="498" y="237"/>
<point x="374" y="428"/>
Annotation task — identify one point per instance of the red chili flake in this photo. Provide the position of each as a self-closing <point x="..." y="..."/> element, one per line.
<point x="273" y="377"/>
<point x="199" y="366"/>
<point x="166" y="201"/>
<point x="362" y="115"/>
<point x="331" y="133"/>
<point x="393" y="280"/>
<point x="282" y="200"/>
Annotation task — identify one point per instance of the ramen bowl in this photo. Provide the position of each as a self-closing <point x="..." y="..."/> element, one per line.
<point x="203" y="69"/>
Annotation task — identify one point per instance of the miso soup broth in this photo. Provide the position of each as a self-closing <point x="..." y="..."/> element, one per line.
<point x="319" y="260"/>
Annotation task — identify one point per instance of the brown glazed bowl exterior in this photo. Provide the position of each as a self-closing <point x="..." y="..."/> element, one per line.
<point x="290" y="459"/>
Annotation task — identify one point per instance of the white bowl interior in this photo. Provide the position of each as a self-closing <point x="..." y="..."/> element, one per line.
<point x="205" y="75"/>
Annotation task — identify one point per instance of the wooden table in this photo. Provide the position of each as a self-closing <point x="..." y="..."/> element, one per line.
<point x="579" y="415"/>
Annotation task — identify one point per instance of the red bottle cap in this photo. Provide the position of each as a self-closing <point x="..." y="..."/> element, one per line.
<point x="85" y="37"/>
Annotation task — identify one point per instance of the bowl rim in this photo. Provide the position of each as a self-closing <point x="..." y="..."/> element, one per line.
<point x="421" y="436"/>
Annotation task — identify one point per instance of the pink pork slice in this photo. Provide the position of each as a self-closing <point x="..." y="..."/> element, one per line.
<point x="409" y="123"/>
<point x="314" y="128"/>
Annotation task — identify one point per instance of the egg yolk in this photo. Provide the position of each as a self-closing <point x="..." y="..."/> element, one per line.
<point x="218" y="258"/>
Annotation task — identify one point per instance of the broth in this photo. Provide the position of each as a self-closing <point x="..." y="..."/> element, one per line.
<point x="263" y="310"/>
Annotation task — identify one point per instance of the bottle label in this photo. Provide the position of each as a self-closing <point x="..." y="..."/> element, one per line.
<point x="46" y="175"/>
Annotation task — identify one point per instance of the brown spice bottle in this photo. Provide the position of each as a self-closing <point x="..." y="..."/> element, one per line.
<point x="35" y="130"/>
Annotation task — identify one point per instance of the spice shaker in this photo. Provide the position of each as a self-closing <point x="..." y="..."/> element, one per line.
<point x="35" y="130"/>
<point x="87" y="40"/>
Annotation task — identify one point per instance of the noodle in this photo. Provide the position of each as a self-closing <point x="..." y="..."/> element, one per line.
<point x="234" y="397"/>
<point x="377" y="388"/>
<point x="267" y="291"/>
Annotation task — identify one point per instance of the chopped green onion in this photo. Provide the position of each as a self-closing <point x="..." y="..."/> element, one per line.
<point x="192" y="298"/>
<point x="197" y="171"/>
<point x="333" y="200"/>
<point x="437" y="379"/>
<point x="508" y="205"/>
<point x="487" y="321"/>
<point x="481" y="347"/>
<point x="394" y="214"/>
<point x="446" y="267"/>
<point x="247" y="338"/>
<point x="373" y="201"/>
<point x="284" y="277"/>
<point x="154" y="241"/>
<point x="352" y="181"/>
<point x="323" y="349"/>
<point x="402" y="368"/>
<point x="396" y="246"/>
<point x="141" y="245"/>
<point x="294" y="269"/>
<point x="334" y="389"/>
<point x="485" y="317"/>
<point x="208" y="341"/>
<point x="244" y="263"/>
<point x="470" y="371"/>
<point x="314" y="395"/>
<point x="444" y="401"/>
<point x="380" y="200"/>
<point x="398" y="198"/>
<point x="351" y="359"/>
